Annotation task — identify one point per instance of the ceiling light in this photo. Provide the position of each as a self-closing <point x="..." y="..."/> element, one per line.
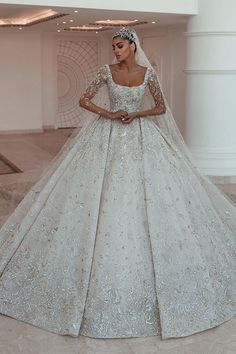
<point x="87" y="28"/>
<point x="37" y="17"/>
<point x="153" y="21"/>
<point x="119" y="22"/>
<point x="76" y="11"/>
<point x="71" y="20"/>
<point x="64" y="22"/>
<point x="58" y="30"/>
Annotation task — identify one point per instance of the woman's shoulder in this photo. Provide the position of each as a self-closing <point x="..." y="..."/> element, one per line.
<point x="102" y="71"/>
<point x="144" y="68"/>
<point x="103" y="67"/>
<point x="113" y="67"/>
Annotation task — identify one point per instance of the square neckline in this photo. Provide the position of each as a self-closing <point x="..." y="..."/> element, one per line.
<point x="109" y="71"/>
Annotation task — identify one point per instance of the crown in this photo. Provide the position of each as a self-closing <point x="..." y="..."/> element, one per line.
<point x="125" y="33"/>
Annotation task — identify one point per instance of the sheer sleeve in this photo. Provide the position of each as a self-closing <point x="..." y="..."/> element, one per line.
<point x="155" y="90"/>
<point x="99" y="80"/>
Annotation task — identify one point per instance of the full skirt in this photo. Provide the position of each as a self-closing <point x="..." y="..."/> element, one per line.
<point x="122" y="238"/>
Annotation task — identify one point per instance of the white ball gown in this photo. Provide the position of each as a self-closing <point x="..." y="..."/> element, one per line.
<point x="122" y="237"/>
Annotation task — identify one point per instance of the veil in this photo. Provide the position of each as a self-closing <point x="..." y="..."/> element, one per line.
<point x="165" y="123"/>
<point x="167" y="127"/>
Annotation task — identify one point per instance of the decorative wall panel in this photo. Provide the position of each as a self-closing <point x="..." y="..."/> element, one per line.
<point x="77" y="63"/>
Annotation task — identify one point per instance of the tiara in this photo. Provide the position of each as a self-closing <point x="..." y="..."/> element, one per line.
<point x="125" y="33"/>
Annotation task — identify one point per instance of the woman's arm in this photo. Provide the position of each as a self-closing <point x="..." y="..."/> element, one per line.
<point x="92" y="89"/>
<point x="159" y="108"/>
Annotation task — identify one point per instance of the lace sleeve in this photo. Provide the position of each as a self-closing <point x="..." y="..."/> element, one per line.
<point x="155" y="90"/>
<point x="99" y="80"/>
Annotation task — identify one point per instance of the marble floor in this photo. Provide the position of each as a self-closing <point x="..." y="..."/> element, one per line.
<point x="31" y="153"/>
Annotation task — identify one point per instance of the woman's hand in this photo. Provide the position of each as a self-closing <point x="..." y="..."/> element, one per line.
<point x="118" y="115"/>
<point x="129" y="118"/>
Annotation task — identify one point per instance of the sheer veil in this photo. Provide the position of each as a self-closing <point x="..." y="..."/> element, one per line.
<point x="166" y="126"/>
<point x="169" y="130"/>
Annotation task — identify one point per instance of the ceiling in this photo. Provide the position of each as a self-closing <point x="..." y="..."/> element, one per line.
<point x="16" y="14"/>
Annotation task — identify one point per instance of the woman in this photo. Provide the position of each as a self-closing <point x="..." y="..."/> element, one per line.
<point x="122" y="236"/>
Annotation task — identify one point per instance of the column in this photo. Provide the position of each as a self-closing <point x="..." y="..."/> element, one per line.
<point x="211" y="87"/>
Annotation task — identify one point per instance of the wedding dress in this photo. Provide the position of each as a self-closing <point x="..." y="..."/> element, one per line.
<point x="123" y="237"/>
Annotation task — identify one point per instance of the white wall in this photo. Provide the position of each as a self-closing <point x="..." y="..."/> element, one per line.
<point x="28" y="72"/>
<point x="20" y="82"/>
<point x="49" y="80"/>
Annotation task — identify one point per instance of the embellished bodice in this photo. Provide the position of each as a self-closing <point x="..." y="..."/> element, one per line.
<point x="125" y="97"/>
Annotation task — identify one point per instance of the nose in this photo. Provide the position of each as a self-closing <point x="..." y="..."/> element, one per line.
<point x="116" y="51"/>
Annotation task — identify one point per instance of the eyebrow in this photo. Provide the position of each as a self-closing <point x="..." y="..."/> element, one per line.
<point x="117" y="43"/>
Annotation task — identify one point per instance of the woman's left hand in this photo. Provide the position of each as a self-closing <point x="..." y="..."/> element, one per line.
<point x="129" y="118"/>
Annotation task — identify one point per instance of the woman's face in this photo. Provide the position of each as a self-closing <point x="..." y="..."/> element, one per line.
<point x="122" y="48"/>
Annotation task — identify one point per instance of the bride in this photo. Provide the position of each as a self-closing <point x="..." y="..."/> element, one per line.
<point x="122" y="236"/>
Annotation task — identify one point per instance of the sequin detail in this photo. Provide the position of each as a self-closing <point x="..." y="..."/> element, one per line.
<point x="122" y="238"/>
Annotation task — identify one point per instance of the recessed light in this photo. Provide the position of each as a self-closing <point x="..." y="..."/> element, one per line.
<point x="96" y="32"/>
<point x="85" y="28"/>
<point x="76" y="11"/>
<point x="71" y="20"/>
<point x="153" y="21"/>
<point x="58" y="30"/>
<point x="64" y="22"/>
<point x="109" y="22"/>
<point x="41" y="16"/>
<point x="58" y="24"/>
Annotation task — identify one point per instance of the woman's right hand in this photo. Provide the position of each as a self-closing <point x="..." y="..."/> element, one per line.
<point x="118" y="114"/>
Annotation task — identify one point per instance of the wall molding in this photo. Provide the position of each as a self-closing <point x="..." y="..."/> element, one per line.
<point x="223" y="179"/>
<point x="215" y="151"/>
<point x="217" y="171"/>
<point x="215" y="161"/>
<point x="49" y="127"/>
<point x="209" y="72"/>
<point x="21" y="131"/>
<point x="210" y="34"/>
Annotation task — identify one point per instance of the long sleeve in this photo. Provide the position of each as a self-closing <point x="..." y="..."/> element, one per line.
<point x="99" y="80"/>
<point x="155" y="90"/>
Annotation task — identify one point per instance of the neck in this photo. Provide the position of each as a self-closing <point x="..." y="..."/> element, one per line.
<point x="129" y="64"/>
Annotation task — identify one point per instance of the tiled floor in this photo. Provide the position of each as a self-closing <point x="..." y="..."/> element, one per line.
<point x="32" y="153"/>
